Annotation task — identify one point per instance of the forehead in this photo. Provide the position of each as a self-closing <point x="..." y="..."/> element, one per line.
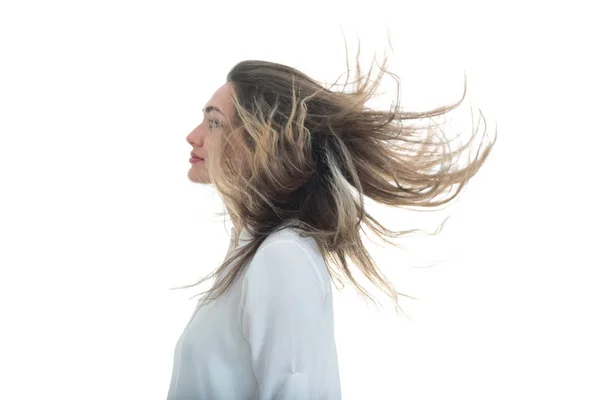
<point x="221" y="99"/>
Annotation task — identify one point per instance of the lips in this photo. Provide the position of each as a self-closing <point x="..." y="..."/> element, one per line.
<point x="195" y="156"/>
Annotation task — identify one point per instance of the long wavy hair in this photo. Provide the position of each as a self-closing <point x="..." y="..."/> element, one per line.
<point x="313" y="154"/>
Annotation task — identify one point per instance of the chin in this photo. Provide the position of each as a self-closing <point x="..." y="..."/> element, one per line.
<point x="198" y="176"/>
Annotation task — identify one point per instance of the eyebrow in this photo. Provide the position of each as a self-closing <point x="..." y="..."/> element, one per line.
<point x="213" y="108"/>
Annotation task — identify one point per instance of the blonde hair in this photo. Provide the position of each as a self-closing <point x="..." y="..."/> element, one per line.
<point x="312" y="154"/>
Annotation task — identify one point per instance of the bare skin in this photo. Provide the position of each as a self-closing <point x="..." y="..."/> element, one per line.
<point x="217" y="112"/>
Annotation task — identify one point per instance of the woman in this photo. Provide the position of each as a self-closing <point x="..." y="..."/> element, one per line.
<point x="293" y="161"/>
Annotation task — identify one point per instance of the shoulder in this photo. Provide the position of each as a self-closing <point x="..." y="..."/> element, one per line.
<point x="286" y="258"/>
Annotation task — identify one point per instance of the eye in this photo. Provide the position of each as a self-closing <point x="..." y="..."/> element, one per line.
<point x="213" y="123"/>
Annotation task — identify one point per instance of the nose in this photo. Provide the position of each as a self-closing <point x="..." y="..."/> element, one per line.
<point x="196" y="137"/>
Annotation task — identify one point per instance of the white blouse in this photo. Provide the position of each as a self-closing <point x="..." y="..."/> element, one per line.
<point x="271" y="336"/>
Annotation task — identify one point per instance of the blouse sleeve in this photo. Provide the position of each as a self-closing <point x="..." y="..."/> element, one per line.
<point x="283" y="299"/>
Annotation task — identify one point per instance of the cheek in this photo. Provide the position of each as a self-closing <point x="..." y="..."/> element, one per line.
<point x="208" y="142"/>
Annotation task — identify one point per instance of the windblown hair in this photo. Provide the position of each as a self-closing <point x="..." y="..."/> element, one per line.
<point x="313" y="154"/>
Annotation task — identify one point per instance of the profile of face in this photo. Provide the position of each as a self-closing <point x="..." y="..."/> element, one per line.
<point x="219" y="110"/>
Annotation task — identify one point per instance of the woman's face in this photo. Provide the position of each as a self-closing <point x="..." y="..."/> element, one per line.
<point x="217" y="113"/>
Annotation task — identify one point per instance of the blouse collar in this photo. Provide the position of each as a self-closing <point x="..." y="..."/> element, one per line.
<point x="245" y="236"/>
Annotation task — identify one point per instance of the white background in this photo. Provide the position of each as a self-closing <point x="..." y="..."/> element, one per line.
<point x="98" y="219"/>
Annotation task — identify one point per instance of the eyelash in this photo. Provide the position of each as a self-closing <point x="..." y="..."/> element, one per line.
<point x="210" y="121"/>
